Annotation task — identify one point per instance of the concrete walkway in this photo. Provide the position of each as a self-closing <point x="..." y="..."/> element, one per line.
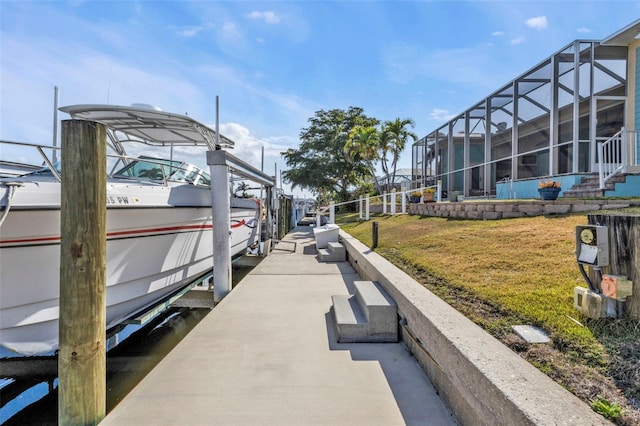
<point x="267" y="355"/>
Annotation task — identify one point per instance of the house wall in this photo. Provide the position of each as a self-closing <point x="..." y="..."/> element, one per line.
<point x="529" y="188"/>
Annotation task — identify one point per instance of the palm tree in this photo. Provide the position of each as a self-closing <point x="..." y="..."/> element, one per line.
<point x="393" y="141"/>
<point x="363" y="144"/>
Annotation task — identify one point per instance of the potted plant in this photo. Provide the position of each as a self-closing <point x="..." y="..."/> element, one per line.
<point x="415" y="196"/>
<point x="549" y="189"/>
<point x="428" y="194"/>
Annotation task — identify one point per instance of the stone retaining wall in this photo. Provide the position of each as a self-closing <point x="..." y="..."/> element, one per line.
<point x="491" y="210"/>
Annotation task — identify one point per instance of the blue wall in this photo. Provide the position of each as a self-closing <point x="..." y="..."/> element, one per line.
<point x="529" y="188"/>
<point x="631" y="188"/>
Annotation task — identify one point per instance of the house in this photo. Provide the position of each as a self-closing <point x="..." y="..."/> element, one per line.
<point x="573" y="118"/>
<point x="402" y="179"/>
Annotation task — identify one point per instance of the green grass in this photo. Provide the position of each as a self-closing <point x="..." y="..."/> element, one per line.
<point x="524" y="266"/>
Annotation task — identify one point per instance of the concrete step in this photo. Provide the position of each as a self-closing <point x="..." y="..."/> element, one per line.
<point x="335" y="252"/>
<point x="589" y="187"/>
<point x="369" y="315"/>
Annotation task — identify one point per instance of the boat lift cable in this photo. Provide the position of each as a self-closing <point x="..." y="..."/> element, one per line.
<point x="12" y="188"/>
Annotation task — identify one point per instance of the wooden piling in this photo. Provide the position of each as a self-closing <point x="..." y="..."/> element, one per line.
<point x="624" y="253"/>
<point x="83" y="213"/>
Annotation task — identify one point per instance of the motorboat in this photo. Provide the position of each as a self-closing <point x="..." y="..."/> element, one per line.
<point x="159" y="225"/>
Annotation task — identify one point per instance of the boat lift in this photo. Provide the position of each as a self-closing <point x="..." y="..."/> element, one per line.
<point x="222" y="164"/>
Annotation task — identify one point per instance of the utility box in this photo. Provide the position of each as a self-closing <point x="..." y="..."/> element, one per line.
<point x="591" y="304"/>
<point x="616" y="286"/>
<point x="592" y="245"/>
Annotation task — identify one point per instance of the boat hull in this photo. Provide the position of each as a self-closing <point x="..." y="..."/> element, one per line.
<point x="151" y="253"/>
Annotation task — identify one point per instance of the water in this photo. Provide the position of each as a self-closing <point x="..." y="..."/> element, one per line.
<point x="33" y="399"/>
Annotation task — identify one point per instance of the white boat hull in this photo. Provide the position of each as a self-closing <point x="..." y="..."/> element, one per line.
<point x="153" y="249"/>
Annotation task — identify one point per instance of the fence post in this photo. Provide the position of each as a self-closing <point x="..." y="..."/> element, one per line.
<point x="360" y="208"/>
<point x="384" y="203"/>
<point x="367" y="208"/>
<point x="332" y="212"/>
<point x="439" y="190"/>
<point x="393" y="201"/>
<point x="404" y="201"/>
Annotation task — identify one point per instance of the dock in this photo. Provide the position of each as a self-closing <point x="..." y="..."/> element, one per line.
<point x="267" y="354"/>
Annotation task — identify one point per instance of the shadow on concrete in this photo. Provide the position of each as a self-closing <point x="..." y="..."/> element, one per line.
<point x="415" y="396"/>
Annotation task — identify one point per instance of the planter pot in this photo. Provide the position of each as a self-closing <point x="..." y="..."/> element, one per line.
<point x="549" y="193"/>
<point x="427" y="197"/>
<point x="415" y="200"/>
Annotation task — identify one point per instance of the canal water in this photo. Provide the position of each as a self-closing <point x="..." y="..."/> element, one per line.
<point x="33" y="398"/>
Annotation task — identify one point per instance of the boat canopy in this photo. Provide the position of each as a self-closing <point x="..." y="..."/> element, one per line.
<point x="149" y="126"/>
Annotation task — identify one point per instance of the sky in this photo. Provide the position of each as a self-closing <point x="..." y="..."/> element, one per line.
<point x="274" y="64"/>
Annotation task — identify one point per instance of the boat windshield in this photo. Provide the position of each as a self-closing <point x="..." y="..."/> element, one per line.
<point x="46" y="171"/>
<point x="160" y="170"/>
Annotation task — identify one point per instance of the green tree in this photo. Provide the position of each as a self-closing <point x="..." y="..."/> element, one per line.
<point x="395" y="135"/>
<point x="241" y="190"/>
<point x="321" y="164"/>
<point x="364" y="144"/>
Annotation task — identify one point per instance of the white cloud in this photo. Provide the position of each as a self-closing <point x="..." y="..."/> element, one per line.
<point x="269" y="17"/>
<point x="517" y="40"/>
<point x="584" y="30"/>
<point x="538" y="22"/>
<point x="193" y="31"/>
<point x="497" y="33"/>
<point x="230" y="31"/>
<point x="440" y="115"/>
<point x="189" y="32"/>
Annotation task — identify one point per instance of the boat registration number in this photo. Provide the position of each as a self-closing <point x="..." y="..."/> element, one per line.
<point x="121" y="200"/>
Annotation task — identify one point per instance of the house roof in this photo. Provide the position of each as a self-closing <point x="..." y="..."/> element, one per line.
<point x="625" y="36"/>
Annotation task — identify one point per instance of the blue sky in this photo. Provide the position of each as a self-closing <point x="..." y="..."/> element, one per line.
<point x="274" y="64"/>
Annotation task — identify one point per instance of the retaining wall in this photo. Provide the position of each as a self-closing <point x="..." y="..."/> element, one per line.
<point x="488" y="210"/>
<point x="482" y="381"/>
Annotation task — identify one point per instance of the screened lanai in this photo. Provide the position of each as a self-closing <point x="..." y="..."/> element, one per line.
<point x="544" y="124"/>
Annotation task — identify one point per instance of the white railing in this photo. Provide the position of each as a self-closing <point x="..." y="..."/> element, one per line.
<point x="392" y="201"/>
<point x="614" y="155"/>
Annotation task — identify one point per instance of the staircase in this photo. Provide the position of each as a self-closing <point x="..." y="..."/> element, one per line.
<point x="368" y="316"/>
<point x="335" y="252"/>
<point x="589" y="187"/>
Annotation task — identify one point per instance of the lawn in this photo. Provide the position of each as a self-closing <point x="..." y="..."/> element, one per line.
<point x="518" y="271"/>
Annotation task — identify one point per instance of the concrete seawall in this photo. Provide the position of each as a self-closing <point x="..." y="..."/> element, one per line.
<point x="481" y="380"/>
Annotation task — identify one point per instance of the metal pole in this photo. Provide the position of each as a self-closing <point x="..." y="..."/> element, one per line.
<point x="55" y="122"/>
<point x="221" y="221"/>
<point x="217" y="123"/>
